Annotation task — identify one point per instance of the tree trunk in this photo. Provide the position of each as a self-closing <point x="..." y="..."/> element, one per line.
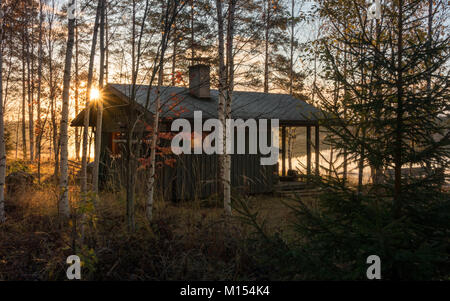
<point x="106" y="44"/>
<point x="30" y="84"/>
<point x="86" y="140"/>
<point x="376" y="171"/>
<point x="221" y="88"/>
<point x="291" y="140"/>
<point x="2" y="130"/>
<point x="130" y="182"/>
<point x="99" y="120"/>
<point x="174" y="55"/>
<point x="291" y="57"/>
<point x="192" y="34"/>
<point x="24" y="135"/>
<point x="64" y="209"/>
<point x="55" y="138"/>
<point x="130" y="157"/>
<point x="151" y="182"/>
<point x="430" y="40"/>
<point x="52" y="87"/>
<point x="17" y="133"/>
<point x="344" y="173"/>
<point x="77" y="84"/>
<point x="363" y="125"/>
<point x="38" y="120"/>
<point x="398" y="153"/>
<point x="30" y="104"/>
<point x="266" y="41"/>
<point x="228" y="100"/>
<point x="361" y="166"/>
<point x="170" y="12"/>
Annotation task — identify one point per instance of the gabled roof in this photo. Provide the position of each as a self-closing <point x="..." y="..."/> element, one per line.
<point x="245" y="104"/>
<point x="178" y="103"/>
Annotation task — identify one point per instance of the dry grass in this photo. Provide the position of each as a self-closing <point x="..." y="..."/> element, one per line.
<point x="185" y="240"/>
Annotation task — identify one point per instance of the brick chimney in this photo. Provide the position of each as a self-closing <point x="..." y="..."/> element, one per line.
<point x="199" y="81"/>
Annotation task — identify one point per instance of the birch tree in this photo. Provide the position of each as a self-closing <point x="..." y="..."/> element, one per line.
<point x="226" y="82"/>
<point x="221" y="88"/>
<point x="63" y="205"/>
<point x="171" y="10"/>
<point x="151" y="182"/>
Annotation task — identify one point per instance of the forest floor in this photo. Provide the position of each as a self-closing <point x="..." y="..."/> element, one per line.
<point x="186" y="240"/>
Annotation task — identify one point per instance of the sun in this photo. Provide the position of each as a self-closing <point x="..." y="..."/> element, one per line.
<point x="95" y="94"/>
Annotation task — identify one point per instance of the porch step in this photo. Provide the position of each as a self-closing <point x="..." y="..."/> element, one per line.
<point x="289" y="186"/>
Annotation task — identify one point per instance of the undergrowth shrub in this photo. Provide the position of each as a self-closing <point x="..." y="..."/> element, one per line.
<point x="333" y="239"/>
<point x="179" y="244"/>
<point x="18" y="165"/>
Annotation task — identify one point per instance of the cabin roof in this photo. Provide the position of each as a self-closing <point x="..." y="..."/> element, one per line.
<point x="178" y="103"/>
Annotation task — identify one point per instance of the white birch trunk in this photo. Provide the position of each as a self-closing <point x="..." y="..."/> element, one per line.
<point x="221" y="107"/>
<point x="151" y="180"/>
<point x="63" y="205"/>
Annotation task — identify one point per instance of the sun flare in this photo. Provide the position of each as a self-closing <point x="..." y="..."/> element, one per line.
<point x="95" y="94"/>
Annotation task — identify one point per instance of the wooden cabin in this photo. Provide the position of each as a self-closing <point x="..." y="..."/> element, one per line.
<point x="195" y="176"/>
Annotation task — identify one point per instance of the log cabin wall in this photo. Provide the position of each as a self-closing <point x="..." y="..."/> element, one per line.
<point x="193" y="176"/>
